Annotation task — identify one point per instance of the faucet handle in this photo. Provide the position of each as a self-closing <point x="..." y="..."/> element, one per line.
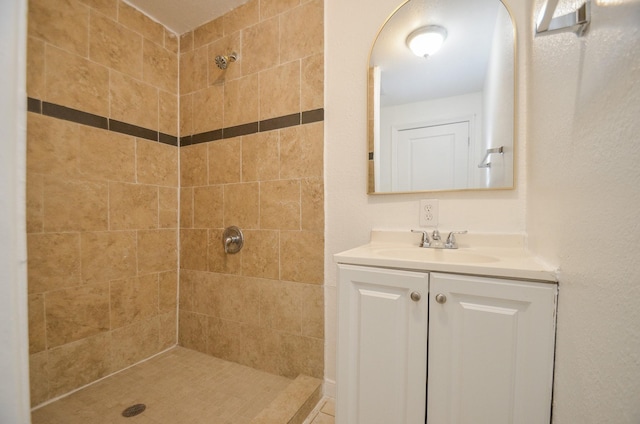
<point x="451" y="242"/>
<point x="425" y="237"/>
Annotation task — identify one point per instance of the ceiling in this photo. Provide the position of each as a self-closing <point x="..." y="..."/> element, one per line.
<point x="181" y="16"/>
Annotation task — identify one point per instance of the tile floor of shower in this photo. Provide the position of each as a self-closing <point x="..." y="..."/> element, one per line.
<point x="180" y="386"/>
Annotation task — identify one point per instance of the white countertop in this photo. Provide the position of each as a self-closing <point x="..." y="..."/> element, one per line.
<point x="494" y="255"/>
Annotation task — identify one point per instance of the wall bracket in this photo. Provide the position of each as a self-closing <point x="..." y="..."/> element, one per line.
<point x="576" y="21"/>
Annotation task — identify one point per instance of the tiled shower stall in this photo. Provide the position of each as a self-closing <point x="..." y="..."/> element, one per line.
<point x="140" y="152"/>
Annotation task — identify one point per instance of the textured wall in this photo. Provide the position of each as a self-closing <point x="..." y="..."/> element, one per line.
<point x="102" y="194"/>
<point x="583" y="207"/>
<point x="262" y="307"/>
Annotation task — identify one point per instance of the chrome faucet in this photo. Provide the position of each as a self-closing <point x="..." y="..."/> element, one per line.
<point x="435" y="242"/>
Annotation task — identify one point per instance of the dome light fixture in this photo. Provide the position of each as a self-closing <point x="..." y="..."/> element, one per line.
<point x="426" y="40"/>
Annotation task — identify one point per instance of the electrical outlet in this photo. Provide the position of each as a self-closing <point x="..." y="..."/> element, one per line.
<point x="429" y="213"/>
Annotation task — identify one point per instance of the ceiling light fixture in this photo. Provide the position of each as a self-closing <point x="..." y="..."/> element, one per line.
<point x="426" y="40"/>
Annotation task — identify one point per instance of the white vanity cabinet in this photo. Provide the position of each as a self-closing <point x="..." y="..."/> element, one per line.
<point x="490" y="348"/>
<point x="382" y="345"/>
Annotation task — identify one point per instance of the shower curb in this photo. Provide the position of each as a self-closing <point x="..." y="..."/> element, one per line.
<point x="293" y="404"/>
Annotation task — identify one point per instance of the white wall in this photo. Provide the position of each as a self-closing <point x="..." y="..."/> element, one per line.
<point x="350" y="28"/>
<point x="584" y="208"/>
<point x="14" y="371"/>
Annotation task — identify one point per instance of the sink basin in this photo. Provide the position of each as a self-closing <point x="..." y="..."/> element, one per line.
<point x="456" y="256"/>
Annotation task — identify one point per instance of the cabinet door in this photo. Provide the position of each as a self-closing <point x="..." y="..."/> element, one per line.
<point x="382" y="346"/>
<point x="491" y="347"/>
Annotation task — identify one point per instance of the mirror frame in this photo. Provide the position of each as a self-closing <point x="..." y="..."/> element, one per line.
<point x="371" y="118"/>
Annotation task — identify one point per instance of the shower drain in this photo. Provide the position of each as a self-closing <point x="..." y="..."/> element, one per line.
<point x="134" y="410"/>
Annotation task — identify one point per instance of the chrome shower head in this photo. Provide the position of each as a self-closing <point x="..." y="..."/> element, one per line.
<point x="223" y="61"/>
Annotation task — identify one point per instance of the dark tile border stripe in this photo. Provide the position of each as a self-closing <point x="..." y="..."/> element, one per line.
<point x="68" y="114"/>
<point x="73" y="115"/>
<point x="280" y="122"/>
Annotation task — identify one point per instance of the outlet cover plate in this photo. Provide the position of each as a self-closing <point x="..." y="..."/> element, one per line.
<point x="428" y="212"/>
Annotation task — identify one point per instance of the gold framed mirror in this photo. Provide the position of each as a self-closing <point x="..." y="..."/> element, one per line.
<point x="444" y="121"/>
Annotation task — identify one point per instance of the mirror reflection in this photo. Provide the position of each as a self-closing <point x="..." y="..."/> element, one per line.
<point x="441" y="98"/>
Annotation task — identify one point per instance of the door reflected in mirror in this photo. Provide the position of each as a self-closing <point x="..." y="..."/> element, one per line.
<point x="433" y="118"/>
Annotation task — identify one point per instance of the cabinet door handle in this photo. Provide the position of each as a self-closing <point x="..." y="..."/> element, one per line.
<point x="440" y="298"/>
<point x="415" y="296"/>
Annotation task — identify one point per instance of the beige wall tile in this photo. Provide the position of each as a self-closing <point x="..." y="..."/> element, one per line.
<point x="193" y="249"/>
<point x="187" y="283"/>
<point x="302" y="31"/>
<point x="261" y="46"/>
<point x="207" y="33"/>
<point x="35" y="203"/>
<point x="241" y="104"/>
<point x="260" y="156"/>
<point x="209" y="110"/>
<point x="105" y="155"/>
<point x="312" y="200"/>
<point x="62" y="23"/>
<point x="312" y="84"/>
<point x="280" y="204"/>
<point x="53" y="261"/>
<point x="242" y="17"/>
<point x="132" y="206"/>
<point x="193" y="70"/>
<point x="115" y="46"/>
<point x="223" y="339"/>
<point x="225" y="161"/>
<point x="133" y="102"/>
<point x="281" y="306"/>
<point x="218" y="260"/>
<point x="301" y="151"/>
<point x="241" y="203"/>
<point x="79" y="363"/>
<point x="37" y="329"/>
<point x="75" y="205"/>
<point x="168" y="113"/>
<point x="225" y="46"/>
<point x="301" y="256"/>
<point x="259" y="348"/>
<point x="270" y="8"/>
<point x="193" y="165"/>
<point x="186" y="115"/>
<point x="139" y="22"/>
<point x="160" y="67"/>
<point x="207" y="293"/>
<point x="133" y="299"/>
<point x="192" y="331"/>
<point x="186" y="207"/>
<point x="168" y="207"/>
<point x="76" y="313"/>
<point x="186" y="42"/>
<point x="106" y="7"/>
<point x="312" y="310"/>
<point x="168" y="291"/>
<point x="135" y="342"/>
<point x="280" y="90"/>
<point x="52" y="146"/>
<point x="38" y="378"/>
<point x="208" y="207"/>
<point x="75" y="82"/>
<point x="156" y="163"/>
<point x="301" y="355"/>
<point x="35" y="68"/>
<point x="108" y="255"/>
<point x="168" y="330"/>
<point x="157" y="251"/>
<point x="260" y="255"/>
<point x="171" y="41"/>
